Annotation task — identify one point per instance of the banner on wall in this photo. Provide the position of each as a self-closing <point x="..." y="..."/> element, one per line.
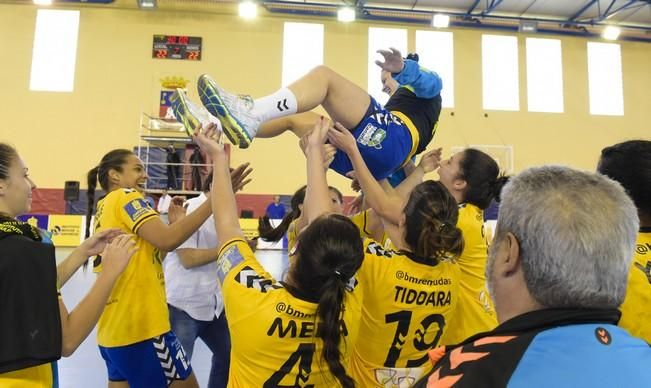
<point x="66" y="230"/>
<point x="37" y="220"/>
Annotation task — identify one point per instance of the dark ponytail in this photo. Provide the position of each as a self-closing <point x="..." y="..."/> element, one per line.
<point x="331" y="313"/>
<point x="268" y="232"/>
<point x="111" y="161"/>
<point x="90" y="194"/>
<point x="482" y="176"/>
<point x="498" y="185"/>
<point x="430" y="231"/>
<point x="329" y="253"/>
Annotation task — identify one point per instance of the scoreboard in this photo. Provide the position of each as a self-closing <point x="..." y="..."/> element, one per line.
<point x="177" y="47"/>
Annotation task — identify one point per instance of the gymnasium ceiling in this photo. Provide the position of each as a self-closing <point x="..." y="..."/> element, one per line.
<point x="571" y="17"/>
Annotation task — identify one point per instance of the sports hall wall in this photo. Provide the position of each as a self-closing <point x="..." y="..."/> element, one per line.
<point x="62" y="135"/>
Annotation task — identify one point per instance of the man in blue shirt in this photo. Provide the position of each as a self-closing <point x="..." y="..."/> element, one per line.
<point x="276" y="210"/>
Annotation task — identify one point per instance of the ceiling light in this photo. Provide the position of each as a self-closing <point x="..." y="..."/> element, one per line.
<point x="346" y="14"/>
<point x="441" y="20"/>
<point x="611" y="33"/>
<point x="43" y="2"/>
<point x="248" y="10"/>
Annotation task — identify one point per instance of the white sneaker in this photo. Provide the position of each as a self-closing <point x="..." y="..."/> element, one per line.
<point x="233" y="111"/>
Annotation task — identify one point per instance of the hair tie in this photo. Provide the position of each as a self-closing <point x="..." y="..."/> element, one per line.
<point x="444" y="225"/>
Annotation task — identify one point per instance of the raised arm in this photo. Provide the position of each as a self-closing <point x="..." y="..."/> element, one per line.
<point x="222" y="197"/>
<point x="317" y="198"/>
<point x="385" y="205"/>
<point x="92" y="246"/>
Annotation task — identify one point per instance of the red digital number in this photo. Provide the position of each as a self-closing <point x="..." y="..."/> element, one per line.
<point x="184" y="40"/>
<point x="161" y="53"/>
<point x="193" y="55"/>
<point x="171" y="39"/>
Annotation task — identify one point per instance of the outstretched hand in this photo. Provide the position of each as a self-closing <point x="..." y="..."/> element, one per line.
<point x="319" y="133"/>
<point x="209" y="140"/>
<point x="95" y="244"/>
<point x="393" y="62"/>
<point x="430" y="161"/>
<point x="342" y="138"/>
<point x="239" y="176"/>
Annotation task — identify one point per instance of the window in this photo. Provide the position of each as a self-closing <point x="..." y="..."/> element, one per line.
<point x="605" y="79"/>
<point x="382" y="38"/>
<point x="302" y="50"/>
<point x="500" y="72"/>
<point x="55" y="51"/>
<point x="544" y="75"/>
<point x="436" y="52"/>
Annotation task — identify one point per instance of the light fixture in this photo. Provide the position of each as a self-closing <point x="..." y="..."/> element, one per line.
<point x="248" y="10"/>
<point x="43" y="2"/>
<point x="440" y="20"/>
<point x="528" y="26"/>
<point x="611" y="33"/>
<point x="346" y="14"/>
<point x="147" y="4"/>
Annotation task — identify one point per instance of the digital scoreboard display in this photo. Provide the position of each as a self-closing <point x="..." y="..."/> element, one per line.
<point x="177" y="47"/>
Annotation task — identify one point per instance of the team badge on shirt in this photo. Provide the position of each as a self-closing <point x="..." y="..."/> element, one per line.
<point x="136" y="209"/>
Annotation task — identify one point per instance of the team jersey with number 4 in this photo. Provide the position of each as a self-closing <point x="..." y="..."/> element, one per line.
<point x="407" y="301"/>
<point x="273" y="331"/>
<point x="137" y="307"/>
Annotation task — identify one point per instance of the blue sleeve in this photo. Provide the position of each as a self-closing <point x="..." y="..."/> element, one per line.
<point x="424" y="83"/>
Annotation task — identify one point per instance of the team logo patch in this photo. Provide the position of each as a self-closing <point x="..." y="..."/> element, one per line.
<point x="229" y="259"/>
<point x="372" y="136"/>
<point x="603" y="336"/>
<point x="137" y="208"/>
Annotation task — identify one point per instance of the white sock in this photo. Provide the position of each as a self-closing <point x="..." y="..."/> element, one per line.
<point x="280" y="104"/>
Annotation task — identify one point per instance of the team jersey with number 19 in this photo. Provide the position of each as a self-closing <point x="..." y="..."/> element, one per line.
<point x="407" y="301"/>
<point x="273" y="328"/>
<point x="137" y="307"/>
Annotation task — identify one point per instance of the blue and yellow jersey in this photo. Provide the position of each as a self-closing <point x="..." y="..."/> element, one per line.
<point x="273" y="330"/>
<point x="137" y="307"/>
<point x="636" y="309"/>
<point x="475" y="312"/>
<point x="407" y="304"/>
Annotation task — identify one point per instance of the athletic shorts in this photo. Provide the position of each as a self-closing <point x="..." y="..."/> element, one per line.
<point x="383" y="140"/>
<point x="154" y="363"/>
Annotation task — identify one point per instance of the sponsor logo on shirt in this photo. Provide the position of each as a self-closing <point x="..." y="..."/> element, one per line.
<point x="136" y="209"/>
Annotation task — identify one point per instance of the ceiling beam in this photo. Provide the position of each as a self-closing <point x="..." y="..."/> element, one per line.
<point x="494" y="4"/>
<point x="472" y="7"/>
<point x="630" y="4"/>
<point x="582" y="10"/>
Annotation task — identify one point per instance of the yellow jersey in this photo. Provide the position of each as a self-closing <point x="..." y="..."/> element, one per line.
<point x="40" y="376"/>
<point x="475" y="312"/>
<point x="292" y="236"/>
<point x="407" y="304"/>
<point x="273" y="331"/>
<point x="137" y="307"/>
<point x="361" y="221"/>
<point x="636" y="309"/>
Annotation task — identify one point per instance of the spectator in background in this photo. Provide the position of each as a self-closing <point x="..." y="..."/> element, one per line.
<point x="276" y="210"/>
<point x="164" y="202"/>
